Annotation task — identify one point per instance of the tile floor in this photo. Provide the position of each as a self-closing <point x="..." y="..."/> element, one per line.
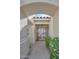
<point x="39" y="51"/>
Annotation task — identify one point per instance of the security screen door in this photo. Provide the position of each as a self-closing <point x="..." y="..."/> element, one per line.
<point x="42" y="31"/>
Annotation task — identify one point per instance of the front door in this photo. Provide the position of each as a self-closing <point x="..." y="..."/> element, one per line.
<point x="42" y="31"/>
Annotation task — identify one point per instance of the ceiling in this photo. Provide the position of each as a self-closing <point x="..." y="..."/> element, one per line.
<point x="24" y="2"/>
<point x="30" y="7"/>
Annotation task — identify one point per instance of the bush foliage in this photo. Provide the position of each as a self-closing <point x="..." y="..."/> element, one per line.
<point x="53" y="46"/>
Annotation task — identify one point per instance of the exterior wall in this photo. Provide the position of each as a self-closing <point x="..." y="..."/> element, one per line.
<point x="23" y="23"/>
<point x="24" y="42"/>
<point x="33" y="33"/>
<point x="22" y="16"/>
<point x="56" y="25"/>
<point x="25" y="38"/>
<point x="51" y="33"/>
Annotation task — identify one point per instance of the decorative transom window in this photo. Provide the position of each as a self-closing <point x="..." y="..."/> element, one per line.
<point x="40" y="16"/>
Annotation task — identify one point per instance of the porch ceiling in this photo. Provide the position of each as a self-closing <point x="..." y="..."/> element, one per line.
<point x="39" y="7"/>
<point x="25" y="2"/>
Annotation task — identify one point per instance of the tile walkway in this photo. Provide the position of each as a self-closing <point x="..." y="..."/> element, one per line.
<point x="39" y="51"/>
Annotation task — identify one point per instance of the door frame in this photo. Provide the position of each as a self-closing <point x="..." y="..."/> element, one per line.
<point x="37" y="26"/>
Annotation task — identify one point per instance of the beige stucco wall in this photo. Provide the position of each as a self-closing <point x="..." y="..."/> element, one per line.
<point x="33" y="33"/>
<point x="23" y="23"/>
<point x="56" y="24"/>
<point x="51" y="32"/>
<point x="25" y="41"/>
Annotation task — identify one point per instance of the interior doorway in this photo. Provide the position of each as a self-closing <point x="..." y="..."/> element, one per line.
<point x="41" y="31"/>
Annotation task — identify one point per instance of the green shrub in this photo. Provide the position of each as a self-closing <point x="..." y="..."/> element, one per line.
<point x="53" y="46"/>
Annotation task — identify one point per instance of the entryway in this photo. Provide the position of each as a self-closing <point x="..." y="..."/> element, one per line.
<point x="41" y="31"/>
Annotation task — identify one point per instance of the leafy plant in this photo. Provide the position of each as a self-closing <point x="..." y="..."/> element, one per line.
<point x="53" y="46"/>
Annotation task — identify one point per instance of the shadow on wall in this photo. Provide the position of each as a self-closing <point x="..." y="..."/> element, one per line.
<point x="24" y="33"/>
<point x="24" y="42"/>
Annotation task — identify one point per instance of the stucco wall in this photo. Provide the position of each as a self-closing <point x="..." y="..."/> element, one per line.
<point x="25" y="38"/>
<point x="23" y="23"/>
<point x="56" y="24"/>
<point x="24" y="41"/>
<point x="51" y="33"/>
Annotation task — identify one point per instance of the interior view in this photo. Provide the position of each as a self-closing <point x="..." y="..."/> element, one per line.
<point x="39" y="29"/>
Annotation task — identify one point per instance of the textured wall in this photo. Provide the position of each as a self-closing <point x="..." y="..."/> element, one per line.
<point x="56" y="24"/>
<point x="23" y="23"/>
<point x="26" y="37"/>
<point x="51" y="31"/>
<point x="25" y="41"/>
